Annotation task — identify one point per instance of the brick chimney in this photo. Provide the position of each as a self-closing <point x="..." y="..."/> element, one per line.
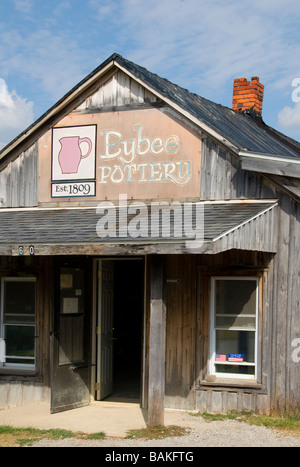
<point x="248" y="95"/>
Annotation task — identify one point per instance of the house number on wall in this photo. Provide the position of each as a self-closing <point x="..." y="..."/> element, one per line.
<point x="22" y="250"/>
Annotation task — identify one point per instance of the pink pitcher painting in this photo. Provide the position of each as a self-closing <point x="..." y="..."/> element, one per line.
<point x="70" y="154"/>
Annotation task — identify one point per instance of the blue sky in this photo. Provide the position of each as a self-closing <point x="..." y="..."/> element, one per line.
<point x="46" y="48"/>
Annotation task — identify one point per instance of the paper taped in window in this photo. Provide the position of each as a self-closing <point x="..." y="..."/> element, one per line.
<point x="235" y="357"/>
<point x="220" y="358"/>
<point x="2" y="352"/>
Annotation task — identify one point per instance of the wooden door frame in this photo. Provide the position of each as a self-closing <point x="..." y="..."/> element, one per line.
<point x="144" y="325"/>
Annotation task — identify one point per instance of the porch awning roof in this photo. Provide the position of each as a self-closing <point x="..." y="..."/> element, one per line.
<point x="204" y="227"/>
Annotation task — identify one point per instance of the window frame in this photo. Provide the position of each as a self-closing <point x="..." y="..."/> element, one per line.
<point x="18" y="366"/>
<point x="213" y="328"/>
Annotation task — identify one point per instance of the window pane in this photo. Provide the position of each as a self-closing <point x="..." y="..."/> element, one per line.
<point x="18" y="320"/>
<point x="235" y="297"/>
<point x="72" y="291"/>
<point x="236" y="369"/>
<point x="20" y="341"/>
<point x="19" y="302"/>
<point x="236" y="342"/>
<point x="235" y="326"/>
<point x="235" y="321"/>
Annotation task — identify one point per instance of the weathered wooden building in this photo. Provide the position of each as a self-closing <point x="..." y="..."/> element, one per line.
<point x="148" y="233"/>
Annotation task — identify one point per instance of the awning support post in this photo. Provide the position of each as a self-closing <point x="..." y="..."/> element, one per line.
<point x="157" y="343"/>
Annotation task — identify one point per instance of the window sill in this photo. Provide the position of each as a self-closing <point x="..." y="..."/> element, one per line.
<point x="18" y="374"/>
<point x="225" y="383"/>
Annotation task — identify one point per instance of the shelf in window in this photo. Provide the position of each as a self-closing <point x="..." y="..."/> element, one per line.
<point x="223" y="328"/>
<point x="234" y="315"/>
<point x="19" y="324"/>
<point x="19" y="357"/>
<point x="227" y="322"/>
<point x="235" y="363"/>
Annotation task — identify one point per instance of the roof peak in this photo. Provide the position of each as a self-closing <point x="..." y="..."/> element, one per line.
<point x="239" y="131"/>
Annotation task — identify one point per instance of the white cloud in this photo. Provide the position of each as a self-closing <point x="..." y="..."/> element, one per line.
<point x="104" y="7"/>
<point x="16" y="114"/>
<point x="289" y="117"/>
<point x="24" y="6"/>
<point x="2" y="91"/>
<point x="46" y="60"/>
<point x="205" y="44"/>
<point x="197" y="44"/>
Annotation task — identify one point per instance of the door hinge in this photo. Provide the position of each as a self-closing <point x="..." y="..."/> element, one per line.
<point x="98" y="330"/>
<point x="97" y="386"/>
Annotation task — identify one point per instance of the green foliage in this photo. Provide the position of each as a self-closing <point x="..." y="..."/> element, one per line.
<point x="157" y="432"/>
<point x="28" y="436"/>
<point x="99" y="435"/>
<point x="285" y="422"/>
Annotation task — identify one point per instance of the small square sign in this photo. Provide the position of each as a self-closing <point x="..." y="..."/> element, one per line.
<point x="74" y="153"/>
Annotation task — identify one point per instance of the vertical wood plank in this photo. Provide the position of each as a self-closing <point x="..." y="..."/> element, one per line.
<point x="294" y="383"/>
<point x="174" y="326"/>
<point x="157" y="343"/>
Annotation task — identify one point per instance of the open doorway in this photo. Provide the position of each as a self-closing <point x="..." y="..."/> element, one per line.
<point x="120" y="321"/>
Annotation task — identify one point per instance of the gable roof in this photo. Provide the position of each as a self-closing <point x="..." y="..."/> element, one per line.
<point x="242" y="130"/>
<point x="257" y="144"/>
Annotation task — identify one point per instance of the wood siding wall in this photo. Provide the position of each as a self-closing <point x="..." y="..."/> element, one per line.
<point x="120" y="90"/>
<point x="18" y="180"/>
<point x="188" y="301"/>
<point x="222" y="177"/>
<point x="188" y="308"/>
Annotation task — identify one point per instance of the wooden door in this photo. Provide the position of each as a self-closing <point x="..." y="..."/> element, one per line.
<point x="70" y="374"/>
<point x="104" y="383"/>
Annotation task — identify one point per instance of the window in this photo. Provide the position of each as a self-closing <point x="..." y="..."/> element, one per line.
<point x="234" y="318"/>
<point x="18" y="321"/>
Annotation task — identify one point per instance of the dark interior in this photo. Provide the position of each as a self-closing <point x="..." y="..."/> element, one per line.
<point x="128" y="314"/>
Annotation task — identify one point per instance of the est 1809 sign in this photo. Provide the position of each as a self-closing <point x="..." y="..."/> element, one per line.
<point x="73" y="189"/>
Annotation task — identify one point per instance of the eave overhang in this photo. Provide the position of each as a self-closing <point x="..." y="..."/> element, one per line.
<point x="270" y="164"/>
<point x="246" y="225"/>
